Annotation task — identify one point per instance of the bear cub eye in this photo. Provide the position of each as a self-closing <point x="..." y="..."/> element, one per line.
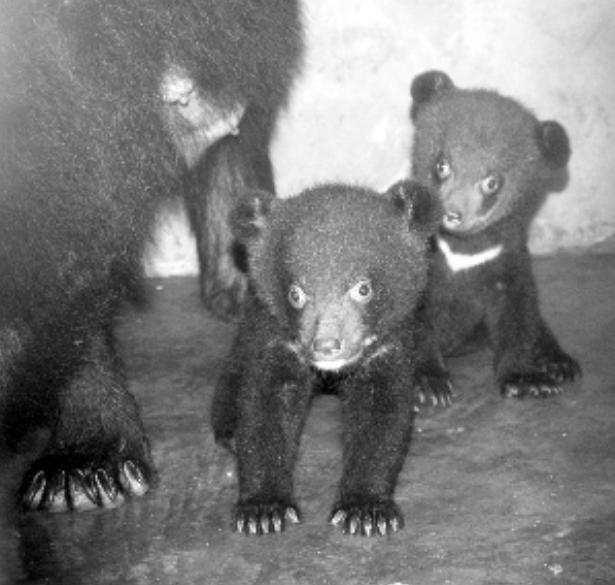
<point x="443" y="169"/>
<point x="362" y="292"/>
<point x="490" y="185"/>
<point x="296" y="296"/>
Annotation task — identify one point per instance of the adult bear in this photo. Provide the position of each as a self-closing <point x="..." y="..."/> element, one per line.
<point x="337" y="277"/>
<point x="492" y="164"/>
<point x="108" y="109"/>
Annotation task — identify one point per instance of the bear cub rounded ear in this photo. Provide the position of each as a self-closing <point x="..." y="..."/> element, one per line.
<point x="554" y="144"/>
<point x="427" y="85"/>
<point x="420" y="204"/>
<point x="249" y="216"/>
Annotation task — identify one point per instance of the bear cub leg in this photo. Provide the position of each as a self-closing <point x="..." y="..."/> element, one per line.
<point x="378" y="413"/>
<point x="271" y="411"/>
<point x="528" y="359"/>
<point x="98" y="454"/>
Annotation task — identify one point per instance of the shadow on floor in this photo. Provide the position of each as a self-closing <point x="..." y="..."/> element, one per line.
<point x="494" y="491"/>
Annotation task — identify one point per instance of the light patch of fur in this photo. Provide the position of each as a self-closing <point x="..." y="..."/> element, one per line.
<point x="194" y="118"/>
<point x="457" y="262"/>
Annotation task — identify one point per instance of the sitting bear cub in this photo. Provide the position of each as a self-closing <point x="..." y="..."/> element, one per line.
<point x="491" y="162"/>
<point x="337" y="276"/>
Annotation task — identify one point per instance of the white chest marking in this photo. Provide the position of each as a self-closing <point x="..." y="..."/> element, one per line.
<point x="457" y="262"/>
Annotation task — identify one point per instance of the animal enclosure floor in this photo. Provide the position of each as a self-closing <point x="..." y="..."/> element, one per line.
<point x="494" y="491"/>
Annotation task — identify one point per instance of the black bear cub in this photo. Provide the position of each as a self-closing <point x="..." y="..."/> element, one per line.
<point x="492" y="163"/>
<point x="337" y="276"/>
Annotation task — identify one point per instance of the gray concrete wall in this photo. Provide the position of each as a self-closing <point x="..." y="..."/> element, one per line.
<point x="348" y="119"/>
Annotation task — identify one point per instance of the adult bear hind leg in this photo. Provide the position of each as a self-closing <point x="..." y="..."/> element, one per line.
<point x="98" y="454"/>
<point x="229" y="167"/>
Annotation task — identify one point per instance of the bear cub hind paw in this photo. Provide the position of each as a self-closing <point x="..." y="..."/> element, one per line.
<point x="253" y="518"/>
<point x="560" y="368"/>
<point x="67" y="482"/>
<point x="367" y="518"/>
<point x="552" y="372"/>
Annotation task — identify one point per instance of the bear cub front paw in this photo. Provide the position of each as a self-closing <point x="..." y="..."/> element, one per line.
<point x="367" y="518"/>
<point x="255" y="518"/>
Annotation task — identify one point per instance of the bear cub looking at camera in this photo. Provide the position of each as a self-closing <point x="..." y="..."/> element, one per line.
<point x="337" y="276"/>
<point x="492" y="163"/>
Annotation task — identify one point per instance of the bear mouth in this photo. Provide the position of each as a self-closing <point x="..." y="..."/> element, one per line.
<point x="462" y="228"/>
<point x="336" y="363"/>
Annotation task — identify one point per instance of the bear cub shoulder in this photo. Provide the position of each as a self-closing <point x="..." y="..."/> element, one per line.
<point x="337" y="276"/>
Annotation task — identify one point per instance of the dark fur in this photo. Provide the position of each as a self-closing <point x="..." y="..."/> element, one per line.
<point x="89" y="151"/>
<point x="326" y="240"/>
<point x="480" y="134"/>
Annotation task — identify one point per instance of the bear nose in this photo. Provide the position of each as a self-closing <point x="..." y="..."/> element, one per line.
<point x="453" y="217"/>
<point x="327" y="345"/>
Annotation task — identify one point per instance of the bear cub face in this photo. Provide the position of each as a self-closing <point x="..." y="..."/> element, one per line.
<point x="337" y="266"/>
<point x="337" y="275"/>
<point x="486" y="155"/>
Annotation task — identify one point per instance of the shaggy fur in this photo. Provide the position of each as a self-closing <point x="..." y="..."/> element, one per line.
<point x="105" y="107"/>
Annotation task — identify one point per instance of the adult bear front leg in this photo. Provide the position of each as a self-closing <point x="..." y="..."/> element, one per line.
<point x="528" y="359"/>
<point x="98" y="454"/>
<point x="228" y="168"/>
<point x="378" y="415"/>
<point x="273" y="405"/>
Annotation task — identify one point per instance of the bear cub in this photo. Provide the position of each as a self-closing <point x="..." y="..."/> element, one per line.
<point x="336" y="281"/>
<point x="492" y="163"/>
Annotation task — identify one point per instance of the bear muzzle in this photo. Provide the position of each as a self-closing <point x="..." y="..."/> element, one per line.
<point x="333" y="354"/>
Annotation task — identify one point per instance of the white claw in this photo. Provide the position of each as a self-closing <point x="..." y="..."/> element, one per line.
<point x="252" y="526"/>
<point x="277" y="523"/>
<point x="80" y="498"/>
<point x="338" y="517"/>
<point x="394" y="525"/>
<point x="291" y="515"/>
<point x="382" y="526"/>
<point x="34" y="495"/>
<point x="265" y="525"/>
<point x="367" y="528"/>
<point x="132" y="479"/>
<point x="353" y="526"/>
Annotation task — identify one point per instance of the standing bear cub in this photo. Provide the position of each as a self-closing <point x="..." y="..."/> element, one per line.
<point x="492" y="163"/>
<point x="337" y="276"/>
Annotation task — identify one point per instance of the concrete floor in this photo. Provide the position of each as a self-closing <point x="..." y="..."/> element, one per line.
<point x="494" y="491"/>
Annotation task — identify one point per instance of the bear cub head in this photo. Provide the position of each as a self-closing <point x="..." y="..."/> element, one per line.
<point x="338" y="268"/>
<point x="486" y="155"/>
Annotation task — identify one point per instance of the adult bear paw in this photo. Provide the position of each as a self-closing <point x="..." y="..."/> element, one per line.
<point x="62" y="482"/>
<point x="253" y="518"/>
<point x="367" y="518"/>
<point x="434" y="390"/>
